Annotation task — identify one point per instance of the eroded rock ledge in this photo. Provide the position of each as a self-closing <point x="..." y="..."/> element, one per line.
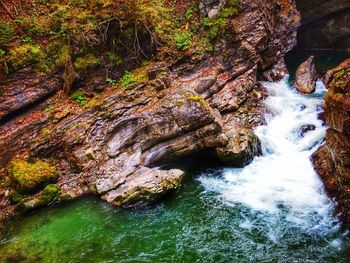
<point x="332" y="160"/>
<point x="113" y="148"/>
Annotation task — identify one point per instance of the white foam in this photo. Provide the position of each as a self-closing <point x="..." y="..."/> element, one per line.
<point x="283" y="178"/>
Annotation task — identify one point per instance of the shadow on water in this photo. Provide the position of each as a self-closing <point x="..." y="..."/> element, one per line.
<point x="324" y="60"/>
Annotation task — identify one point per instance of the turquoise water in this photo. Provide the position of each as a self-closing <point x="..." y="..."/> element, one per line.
<point x="274" y="210"/>
<point x="193" y="225"/>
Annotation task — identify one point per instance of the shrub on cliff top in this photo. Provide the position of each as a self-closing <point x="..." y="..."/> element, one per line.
<point x="119" y="24"/>
<point x="77" y="35"/>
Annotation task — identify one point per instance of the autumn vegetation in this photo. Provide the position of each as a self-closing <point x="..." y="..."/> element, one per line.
<point x="73" y="36"/>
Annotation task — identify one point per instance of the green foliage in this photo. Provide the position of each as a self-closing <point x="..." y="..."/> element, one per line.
<point x="86" y="62"/>
<point x="216" y="25"/>
<point x="26" y="55"/>
<point x="50" y="108"/>
<point x="34" y="26"/>
<point x="114" y="58"/>
<point x="183" y="40"/>
<point x="340" y="79"/>
<point x="162" y="74"/>
<point x="79" y="97"/>
<point x="30" y="176"/>
<point x="110" y="81"/>
<point x="27" y="40"/>
<point x="198" y="99"/>
<point x="50" y="192"/>
<point x="4" y="180"/>
<point x="339" y="73"/>
<point x="127" y="79"/>
<point x="76" y="35"/>
<point x="7" y="34"/>
<point x="16" y="197"/>
<point x="189" y="13"/>
<point x="62" y="55"/>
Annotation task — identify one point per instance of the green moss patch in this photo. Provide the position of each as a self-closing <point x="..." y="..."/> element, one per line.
<point x="218" y="24"/>
<point x="7" y="34"/>
<point x="86" y="62"/>
<point x="50" y="193"/>
<point x="28" y="54"/>
<point x="29" y="177"/>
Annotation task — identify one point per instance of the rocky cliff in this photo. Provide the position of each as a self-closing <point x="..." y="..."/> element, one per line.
<point x="325" y="24"/>
<point x="332" y="161"/>
<point x="116" y="145"/>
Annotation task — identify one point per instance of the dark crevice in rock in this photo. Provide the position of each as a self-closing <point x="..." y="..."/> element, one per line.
<point x="25" y="108"/>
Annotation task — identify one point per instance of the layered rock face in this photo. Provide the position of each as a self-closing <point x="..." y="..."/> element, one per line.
<point x="115" y="146"/>
<point x="332" y="160"/>
<point x="325" y="24"/>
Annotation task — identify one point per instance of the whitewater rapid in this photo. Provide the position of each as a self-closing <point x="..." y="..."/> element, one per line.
<point x="281" y="185"/>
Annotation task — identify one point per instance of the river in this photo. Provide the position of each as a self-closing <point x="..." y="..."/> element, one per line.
<point x="273" y="210"/>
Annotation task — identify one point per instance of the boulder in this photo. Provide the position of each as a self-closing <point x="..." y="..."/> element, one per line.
<point x="115" y="152"/>
<point x="306" y="128"/>
<point x="28" y="177"/>
<point x="328" y="76"/>
<point x="145" y="186"/>
<point x="337" y="100"/>
<point x="243" y="146"/>
<point x="305" y="77"/>
<point x="48" y="195"/>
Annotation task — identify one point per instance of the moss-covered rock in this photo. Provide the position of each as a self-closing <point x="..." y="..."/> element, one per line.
<point x="28" y="177"/>
<point x="45" y="197"/>
<point x="16" y="197"/>
<point x="51" y="191"/>
<point x="198" y="99"/>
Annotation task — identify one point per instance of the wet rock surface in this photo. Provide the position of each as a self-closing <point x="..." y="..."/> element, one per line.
<point x="243" y="145"/>
<point x="113" y="147"/>
<point x="332" y="160"/>
<point x="306" y="128"/>
<point x="305" y="77"/>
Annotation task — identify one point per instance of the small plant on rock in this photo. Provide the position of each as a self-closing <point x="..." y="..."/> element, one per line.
<point x="111" y="82"/>
<point x="79" y="97"/>
<point x="183" y="40"/>
<point x="127" y="79"/>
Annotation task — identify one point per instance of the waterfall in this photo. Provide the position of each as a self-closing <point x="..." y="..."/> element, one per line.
<point x="281" y="185"/>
